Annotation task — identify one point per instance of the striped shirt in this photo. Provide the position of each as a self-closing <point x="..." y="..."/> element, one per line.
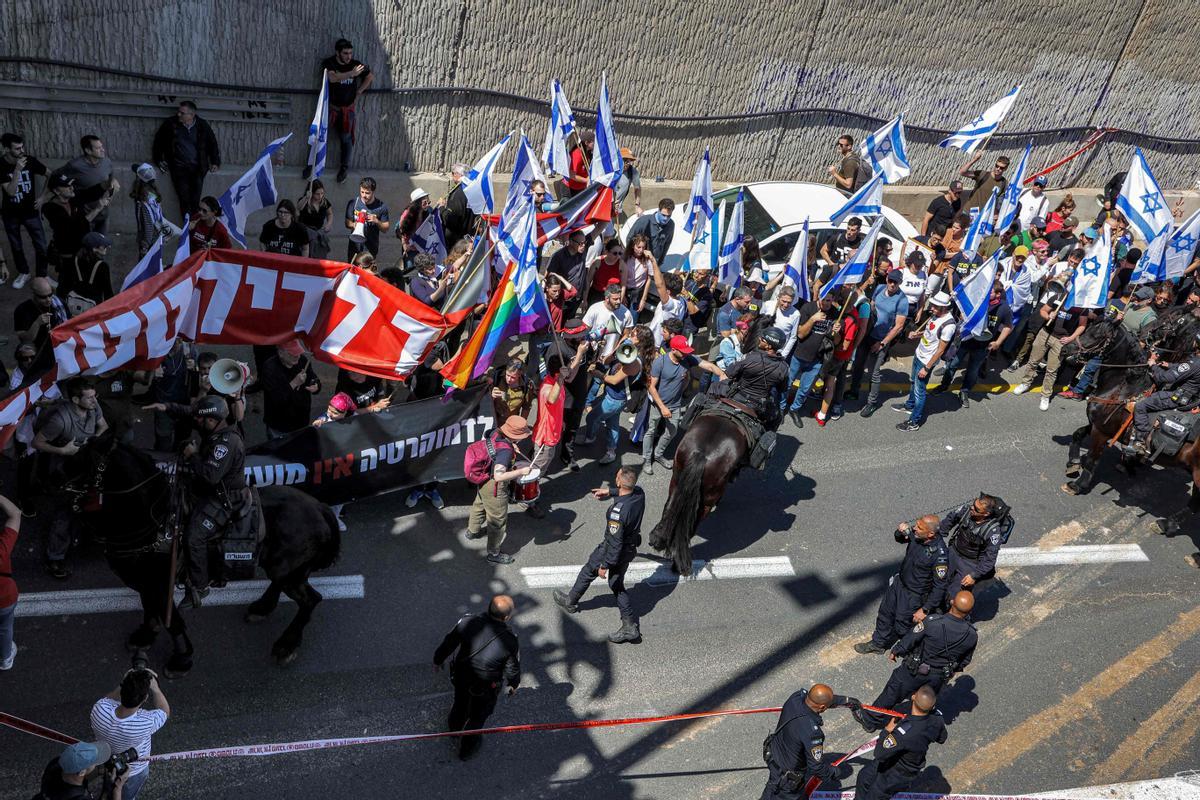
<point x="132" y="731"/>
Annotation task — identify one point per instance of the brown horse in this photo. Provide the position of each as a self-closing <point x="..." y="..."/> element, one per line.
<point x="1123" y="379"/>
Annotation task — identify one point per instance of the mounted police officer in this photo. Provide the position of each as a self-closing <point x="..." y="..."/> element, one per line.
<point x="795" y="752"/>
<point x="931" y="653"/>
<point x="900" y="753"/>
<point x="759" y="379"/>
<point x="218" y="487"/>
<point x="918" y="590"/>
<point x="1179" y="387"/>
<point x="975" y="531"/>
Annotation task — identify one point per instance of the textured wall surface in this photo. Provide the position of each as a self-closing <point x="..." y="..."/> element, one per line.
<point x="1082" y="62"/>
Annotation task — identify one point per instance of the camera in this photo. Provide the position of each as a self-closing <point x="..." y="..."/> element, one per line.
<point x="118" y="763"/>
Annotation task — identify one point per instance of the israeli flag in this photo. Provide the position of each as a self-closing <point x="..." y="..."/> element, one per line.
<point x="980" y="129"/>
<point x="867" y="201"/>
<point x="981" y="227"/>
<point x="150" y="265"/>
<point x="729" y="263"/>
<point x="1008" y="208"/>
<point x="254" y="191"/>
<point x="477" y="185"/>
<point x="885" y="149"/>
<point x="519" y="242"/>
<point x="706" y="250"/>
<point x="318" y="131"/>
<point x="856" y="268"/>
<point x="1089" y="283"/>
<point x="430" y="238"/>
<point x="562" y="125"/>
<point x="1152" y="267"/>
<point x="511" y="234"/>
<point x="795" y="271"/>
<point x="184" y="248"/>
<point x="606" y="156"/>
<point x="699" y="206"/>
<point x="1141" y="201"/>
<point x="972" y="296"/>
<point x="1183" y="245"/>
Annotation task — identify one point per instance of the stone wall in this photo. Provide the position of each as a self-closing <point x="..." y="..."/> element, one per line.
<point x="1082" y="62"/>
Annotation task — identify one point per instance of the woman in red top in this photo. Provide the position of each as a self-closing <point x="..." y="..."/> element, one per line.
<point x="845" y="333"/>
<point x="207" y="231"/>
<point x="8" y="587"/>
<point x="1059" y="215"/>
<point x="548" y="428"/>
<point x="607" y="269"/>
<point x="580" y="160"/>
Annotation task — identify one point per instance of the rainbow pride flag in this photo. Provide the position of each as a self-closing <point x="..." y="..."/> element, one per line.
<point x="501" y="320"/>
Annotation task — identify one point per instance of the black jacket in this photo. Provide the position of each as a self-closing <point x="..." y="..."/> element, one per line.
<point x="976" y="541"/>
<point x="799" y="743"/>
<point x="903" y="750"/>
<point x="623" y="527"/>
<point x="660" y="235"/>
<point x="756" y="375"/>
<point x="943" y="641"/>
<point x="1182" y="379"/>
<point x="458" y="220"/>
<point x="219" y="466"/>
<point x="925" y="570"/>
<point x="487" y="651"/>
<point x="206" y="144"/>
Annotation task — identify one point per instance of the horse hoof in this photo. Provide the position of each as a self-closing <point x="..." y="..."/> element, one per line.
<point x="178" y="667"/>
<point x="1073" y="470"/>
<point x="1069" y="488"/>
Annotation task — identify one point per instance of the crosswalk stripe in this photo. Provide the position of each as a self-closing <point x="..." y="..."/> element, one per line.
<point x="654" y="574"/>
<point x="1070" y="554"/>
<point x="103" y="601"/>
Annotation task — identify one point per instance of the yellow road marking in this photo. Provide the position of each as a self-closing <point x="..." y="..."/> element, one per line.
<point x="1147" y="750"/>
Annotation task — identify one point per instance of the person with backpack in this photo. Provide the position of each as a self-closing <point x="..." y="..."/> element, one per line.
<point x="489" y="465"/>
<point x="850" y="172"/>
<point x="975" y="532"/>
<point x="86" y="282"/>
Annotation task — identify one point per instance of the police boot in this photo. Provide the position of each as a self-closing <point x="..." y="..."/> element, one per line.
<point x="564" y="601"/>
<point x="194" y="597"/>
<point x="629" y="632"/>
<point x="1139" y="448"/>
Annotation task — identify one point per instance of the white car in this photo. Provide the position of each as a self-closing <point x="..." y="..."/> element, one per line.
<point x="774" y="214"/>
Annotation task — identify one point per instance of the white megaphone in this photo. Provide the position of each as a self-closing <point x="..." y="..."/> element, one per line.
<point x="228" y="376"/>
<point x="359" y="234"/>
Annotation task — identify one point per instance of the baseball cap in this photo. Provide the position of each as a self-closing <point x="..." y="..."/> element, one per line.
<point x="1020" y="250"/>
<point x="1040" y="180"/>
<point x="145" y="172"/>
<point x="917" y="258"/>
<point x="1143" y="293"/>
<point x="956" y="186"/>
<point x="1037" y="222"/>
<point x="1070" y="222"/>
<point x="59" y="181"/>
<point x="680" y="343"/>
<point x="895" y="276"/>
<point x="96" y="239"/>
<point x="940" y="299"/>
<point x="1092" y="233"/>
<point x="416" y="194"/>
<point x="83" y="755"/>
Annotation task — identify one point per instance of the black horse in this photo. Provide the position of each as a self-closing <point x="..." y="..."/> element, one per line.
<point x="129" y="503"/>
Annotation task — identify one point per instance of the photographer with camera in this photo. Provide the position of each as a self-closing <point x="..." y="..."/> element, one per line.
<point x="71" y="775"/>
<point x="120" y="722"/>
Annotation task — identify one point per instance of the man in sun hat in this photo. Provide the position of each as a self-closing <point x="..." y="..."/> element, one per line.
<point x="489" y="512"/>
<point x="935" y="337"/>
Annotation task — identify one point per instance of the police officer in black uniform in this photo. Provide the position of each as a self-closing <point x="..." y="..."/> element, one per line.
<point x="487" y="656"/>
<point x="918" y="590"/>
<point x="900" y="754"/>
<point x="931" y="652"/>
<point x="795" y="752"/>
<point x="759" y="379"/>
<point x="1178" y="386"/>
<point x="974" y="533"/>
<point x="218" y="486"/>
<point x="610" y="559"/>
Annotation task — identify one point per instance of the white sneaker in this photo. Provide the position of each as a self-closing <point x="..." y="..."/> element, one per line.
<point x="413" y="498"/>
<point x="22" y="279"/>
<point x="7" y="665"/>
<point x="436" y="498"/>
<point x="1022" y="388"/>
<point x="608" y="457"/>
<point x="1045" y="404"/>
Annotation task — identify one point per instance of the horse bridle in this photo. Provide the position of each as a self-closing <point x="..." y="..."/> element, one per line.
<point x="95" y="486"/>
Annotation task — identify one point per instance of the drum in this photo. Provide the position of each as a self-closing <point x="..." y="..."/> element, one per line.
<point x="522" y="492"/>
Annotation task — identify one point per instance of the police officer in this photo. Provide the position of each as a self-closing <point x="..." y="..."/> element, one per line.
<point x="486" y="655"/>
<point x="218" y="487"/>
<point x="1178" y="386"/>
<point x="761" y="373"/>
<point x="610" y="559"/>
<point x="932" y="652"/>
<point x="974" y="533"/>
<point x="900" y="754"/>
<point x="918" y="590"/>
<point x="795" y="752"/>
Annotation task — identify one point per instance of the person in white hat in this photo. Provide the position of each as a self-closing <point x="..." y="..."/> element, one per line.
<point x="413" y="216"/>
<point x="935" y="336"/>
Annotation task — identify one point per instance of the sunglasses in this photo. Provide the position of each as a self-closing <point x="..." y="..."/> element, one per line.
<point x="43" y="296"/>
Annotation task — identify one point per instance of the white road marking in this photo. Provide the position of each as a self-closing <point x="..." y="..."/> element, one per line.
<point x="1070" y="554"/>
<point x="655" y="574"/>
<point x="103" y="601"/>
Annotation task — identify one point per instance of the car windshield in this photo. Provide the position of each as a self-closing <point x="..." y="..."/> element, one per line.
<point x="758" y="223"/>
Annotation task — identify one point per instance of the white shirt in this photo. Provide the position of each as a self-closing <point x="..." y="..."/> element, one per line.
<point x="912" y="285"/>
<point x="1032" y="207"/>
<point x="597" y="318"/>
<point x="133" y="731"/>
<point x="675" y="308"/>
<point x="937" y="329"/>
<point x="788" y="321"/>
<point x="634" y="274"/>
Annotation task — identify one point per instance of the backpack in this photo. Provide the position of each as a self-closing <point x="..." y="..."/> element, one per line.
<point x="480" y="456"/>
<point x="862" y="174"/>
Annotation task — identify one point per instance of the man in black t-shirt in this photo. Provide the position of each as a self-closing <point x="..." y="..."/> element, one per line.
<point x="283" y="234"/>
<point x="1063" y="237"/>
<point x="944" y="208"/>
<point x="17" y="195"/>
<point x="288" y="385"/>
<point x="569" y="262"/>
<point x="838" y="247"/>
<point x="348" y="78"/>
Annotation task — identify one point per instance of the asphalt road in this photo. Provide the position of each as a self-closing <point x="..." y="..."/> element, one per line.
<point x="1085" y="673"/>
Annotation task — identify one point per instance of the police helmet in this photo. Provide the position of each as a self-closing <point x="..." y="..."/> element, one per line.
<point x="774" y="338"/>
<point x="212" y="407"/>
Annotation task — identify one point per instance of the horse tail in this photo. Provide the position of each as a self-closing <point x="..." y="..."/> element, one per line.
<point x="328" y="547"/>
<point x="673" y="533"/>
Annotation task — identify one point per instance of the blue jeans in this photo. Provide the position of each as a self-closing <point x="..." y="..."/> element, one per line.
<point x="37" y="237"/>
<point x="974" y="354"/>
<point x="916" y="395"/>
<point x="607" y="412"/>
<point x="133" y="784"/>
<point x="807" y="372"/>
<point x="6" y="631"/>
<point x="1087" y="376"/>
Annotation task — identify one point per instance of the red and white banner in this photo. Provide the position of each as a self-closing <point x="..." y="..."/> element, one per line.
<point x="343" y="314"/>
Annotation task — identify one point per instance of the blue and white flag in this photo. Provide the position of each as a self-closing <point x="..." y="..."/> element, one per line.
<point x="1089" y="282"/>
<point x="184" y="248"/>
<point x="606" y="156"/>
<point x="795" y="271"/>
<point x="867" y="201"/>
<point x="477" y="185"/>
<point x="706" y="248"/>
<point x="519" y="241"/>
<point x="885" y="149"/>
<point x="318" y="131"/>
<point x="512" y="234"/>
<point x="978" y="130"/>
<point x="1152" y="266"/>
<point x="982" y="226"/>
<point x="973" y="294"/>
<point x="254" y="191"/>
<point x="1142" y="202"/>
<point x="1183" y="245"/>
<point x="1012" y="193"/>
<point x="150" y="265"/>
<point x="700" y="204"/>
<point x="729" y="264"/>
<point x="562" y="125"/>
<point x="856" y="268"/>
<point x="429" y="236"/>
